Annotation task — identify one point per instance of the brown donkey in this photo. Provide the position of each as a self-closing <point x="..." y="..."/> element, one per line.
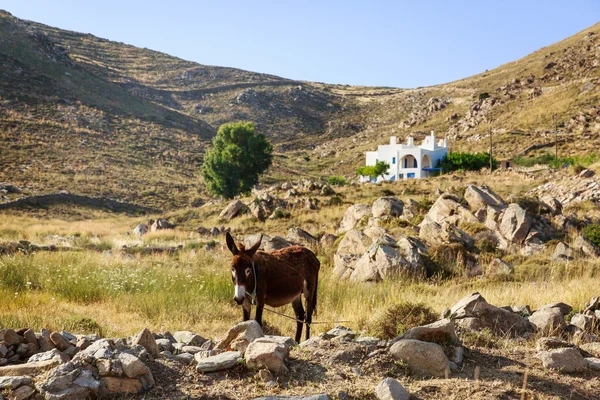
<point x="275" y="278"/>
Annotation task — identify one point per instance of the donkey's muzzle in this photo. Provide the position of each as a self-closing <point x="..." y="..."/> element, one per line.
<point x="239" y="294"/>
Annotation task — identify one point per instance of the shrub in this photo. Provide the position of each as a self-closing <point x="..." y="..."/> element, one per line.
<point x="451" y="259"/>
<point x="398" y="318"/>
<point x="336" y="181"/>
<point x="278" y="214"/>
<point x="484" y="95"/>
<point x="335" y="201"/>
<point x="373" y="171"/>
<point x="592" y="233"/>
<point x="466" y="162"/>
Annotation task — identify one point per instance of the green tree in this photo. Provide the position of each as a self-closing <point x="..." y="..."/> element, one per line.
<point x="466" y="162"/>
<point x="238" y="157"/>
<point x="373" y="171"/>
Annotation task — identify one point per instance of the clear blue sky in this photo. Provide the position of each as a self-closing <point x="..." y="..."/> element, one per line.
<point x="386" y="43"/>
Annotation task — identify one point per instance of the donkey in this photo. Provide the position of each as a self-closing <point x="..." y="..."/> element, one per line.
<point x="275" y="278"/>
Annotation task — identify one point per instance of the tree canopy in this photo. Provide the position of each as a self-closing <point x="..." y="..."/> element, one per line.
<point x="238" y="157"/>
<point x="373" y="171"/>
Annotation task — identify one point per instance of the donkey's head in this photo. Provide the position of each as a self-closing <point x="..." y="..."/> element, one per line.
<point x="242" y="268"/>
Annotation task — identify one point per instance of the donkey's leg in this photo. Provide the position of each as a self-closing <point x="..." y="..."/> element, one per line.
<point x="311" y="303"/>
<point x="299" y="311"/>
<point x="246" y="309"/>
<point x="259" y="312"/>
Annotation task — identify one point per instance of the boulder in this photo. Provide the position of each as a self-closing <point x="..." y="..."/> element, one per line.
<point x="30" y="368"/>
<point x="240" y="336"/>
<point x="592" y="348"/>
<point x="232" y="210"/>
<point x="548" y="320"/>
<point x="160" y="224"/>
<point x="146" y="339"/>
<point x="140" y="230"/>
<point x="13" y="382"/>
<point x="387" y="206"/>
<point x="565" y="309"/>
<point x="499" y="267"/>
<point x="327" y="240"/>
<point x="313" y="397"/>
<point x="565" y="360"/>
<point x="562" y="252"/>
<point x="593" y="363"/>
<point x="586" y="173"/>
<point x="515" y="223"/>
<point x="301" y="237"/>
<point x="132" y="365"/>
<point x="421" y="357"/>
<point x="23" y="393"/>
<point x="226" y="360"/>
<point x="53" y="354"/>
<point x="473" y="312"/>
<point x="482" y="196"/>
<point x="391" y="389"/>
<point x="552" y="203"/>
<point x="441" y="332"/>
<point x="352" y="216"/>
<point x="550" y="343"/>
<point x="583" y="322"/>
<point x="444" y="233"/>
<point x="386" y="260"/>
<point x="267" y="355"/>
<point x="352" y="246"/>
<point x="447" y="208"/>
<point x="586" y="247"/>
<point x="188" y="338"/>
<point x="9" y="337"/>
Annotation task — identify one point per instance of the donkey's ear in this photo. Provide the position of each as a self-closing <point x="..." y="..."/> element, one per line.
<point x="250" y="252"/>
<point x="231" y="244"/>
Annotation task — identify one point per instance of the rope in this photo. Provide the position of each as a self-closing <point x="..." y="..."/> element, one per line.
<point x="303" y="322"/>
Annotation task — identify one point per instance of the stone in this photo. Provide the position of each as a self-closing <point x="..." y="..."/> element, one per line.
<point x="352" y="246"/>
<point x="276" y="243"/>
<point x="240" y="336"/>
<point x="44" y="341"/>
<point x="53" y="354"/>
<point x="447" y="208"/>
<point x="499" y="267"/>
<point x="160" y="224"/>
<point x="226" y="360"/>
<point x="515" y="223"/>
<point x="586" y="247"/>
<point x="482" y="196"/>
<point x="441" y="332"/>
<point x="23" y="393"/>
<point x="267" y="355"/>
<point x="565" y="309"/>
<point x="104" y="366"/>
<point x="186" y="358"/>
<point x="313" y="397"/>
<point x="13" y="382"/>
<point x="549" y="343"/>
<point x="29" y="336"/>
<point x="421" y="357"/>
<point x="564" y="360"/>
<point x="283" y="340"/>
<point x="586" y="173"/>
<point x="444" y="233"/>
<point x="583" y="322"/>
<point x="473" y="312"/>
<point x="265" y="375"/>
<point x="59" y="341"/>
<point x="391" y="389"/>
<point x="301" y="237"/>
<point x="352" y="216"/>
<point x="120" y="386"/>
<point x="132" y="365"/>
<point x="592" y="348"/>
<point x="327" y="240"/>
<point x="10" y="337"/>
<point x="593" y="363"/>
<point x="387" y="206"/>
<point x="188" y="338"/>
<point x="33" y="368"/>
<point x="146" y="339"/>
<point x="552" y="203"/>
<point x="562" y="252"/>
<point x="383" y="261"/>
<point x="548" y="320"/>
<point x="140" y="230"/>
<point x="232" y="210"/>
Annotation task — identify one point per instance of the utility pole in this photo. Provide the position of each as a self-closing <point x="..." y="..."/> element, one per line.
<point x="491" y="156"/>
<point x="555" y="140"/>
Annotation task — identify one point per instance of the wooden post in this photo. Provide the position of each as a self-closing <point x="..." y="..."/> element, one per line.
<point x="555" y="140"/>
<point x="491" y="156"/>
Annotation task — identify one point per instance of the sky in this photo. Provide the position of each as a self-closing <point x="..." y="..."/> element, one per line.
<point x="377" y="43"/>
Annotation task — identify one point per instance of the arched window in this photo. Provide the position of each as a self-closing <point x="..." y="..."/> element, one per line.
<point x="426" y="163"/>
<point x="409" y="161"/>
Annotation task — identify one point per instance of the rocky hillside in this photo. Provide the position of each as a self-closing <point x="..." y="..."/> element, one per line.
<point x="102" y="118"/>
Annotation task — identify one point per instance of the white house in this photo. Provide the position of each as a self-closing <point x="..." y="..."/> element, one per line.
<point x="409" y="161"/>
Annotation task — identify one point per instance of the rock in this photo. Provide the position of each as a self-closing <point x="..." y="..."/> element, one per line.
<point x="592" y="348"/>
<point x="383" y="261"/>
<point x="391" y="389"/>
<point x="441" y="332"/>
<point x="191" y="349"/>
<point x="482" y="196"/>
<point x="9" y="337"/>
<point x="586" y="173"/>
<point x="593" y="363"/>
<point x="387" y="206"/>
<point x="132" y="365"/>
<point x="352" y="216"/>
<point x="565" y="309"/>
<point x="160" y="224"/>
<point x="515" y="223"/>
<point x="562" y="252"/>
<point x="447" y="208"/>
<point x="548" y="320"/>
<point x="188" y="338"/>
<point x="583" y="322"/>
<point x="267" y="355"/>
<point x="474" y="313"/>
<point x="240" y="336"/>
<point x="33" y="368"/>
<point x="549" y="343"/>
<point x="552" y="203"/>
<point x="146" y="339"/>
<point x="499" y="267"/>
<point x="232" y="210"/>
<point x="59" y="341"/>
<point x="313" y="397"/>
<point x="23" y="393"/>
<point x="53" y="354"/>
<point x="421" y="357"/>
<point x="444" y="233"/>
<point x="301" y="237"/>
<point x="13" y="382"/>
<point x="565" y="360"/>
<point x="283" y="340"/>
<point x="164" y="345"/>
<point x="586" y="247"/>
<point x="327" y="240"/>
<point x="219" y="362"/>
<point x="276" y="243"/>
<point x="140" y="230"/>
<point x="121" y="386"/>
<point x="186" y="358"/>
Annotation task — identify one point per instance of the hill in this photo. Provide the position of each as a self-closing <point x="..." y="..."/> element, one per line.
<point x="102" y="118"/>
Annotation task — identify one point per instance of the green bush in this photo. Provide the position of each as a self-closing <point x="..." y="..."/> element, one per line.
<point x="400" y="317"/>
<point x="373" y="171"/>
<point x="592" y="233"/>
<point x="336" y="181"/>
<point x="466" y="162"/>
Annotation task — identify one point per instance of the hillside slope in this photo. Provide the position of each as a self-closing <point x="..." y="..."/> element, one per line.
<point x="102" y="118"/>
